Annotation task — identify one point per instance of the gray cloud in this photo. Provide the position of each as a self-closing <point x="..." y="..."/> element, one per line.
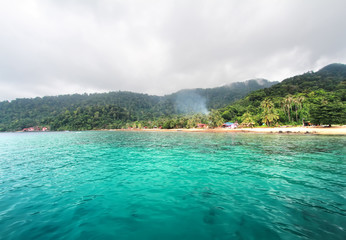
<point x="157" y="47"/>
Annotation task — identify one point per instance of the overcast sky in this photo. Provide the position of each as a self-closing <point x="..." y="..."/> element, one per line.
<point x="51" y="47"/>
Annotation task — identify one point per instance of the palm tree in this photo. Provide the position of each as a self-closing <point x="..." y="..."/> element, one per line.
<point x="267" y="104"/>
<point x="248" y="119"/>
<point x="269" y="113"/>
<point x="288" y="106"/>
<point x="270" y="118"/>
<point x="215" y="118"/>
<point x="298" y="104"/>
<point x="295" y="101"/>
<point x="301" y="99"/>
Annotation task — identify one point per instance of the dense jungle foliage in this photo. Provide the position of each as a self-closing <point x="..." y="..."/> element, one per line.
<point x="318" y="98"/>
<point x="118" y="109"/>
<point x="313" y="98"/>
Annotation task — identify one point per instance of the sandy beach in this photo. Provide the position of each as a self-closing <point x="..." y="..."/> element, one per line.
<point x="334" y="130"/>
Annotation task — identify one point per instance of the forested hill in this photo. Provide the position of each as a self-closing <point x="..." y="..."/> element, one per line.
<point x="328" y="79"/>
<point x="113" y="109"/>
<point x="220" y="96"/>
<point x="318" y="97"/>
<point x="203" y="100"/>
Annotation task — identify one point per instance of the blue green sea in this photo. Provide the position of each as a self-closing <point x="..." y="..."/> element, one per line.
<point x="172" y="185"/>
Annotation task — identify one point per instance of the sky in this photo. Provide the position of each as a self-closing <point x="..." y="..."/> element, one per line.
<point x="53" y="47"/>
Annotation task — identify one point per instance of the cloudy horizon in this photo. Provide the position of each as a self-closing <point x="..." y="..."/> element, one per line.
<point x="159" y="47"/>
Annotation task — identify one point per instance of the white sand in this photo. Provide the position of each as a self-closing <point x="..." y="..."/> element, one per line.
<point x="335" y="130"/>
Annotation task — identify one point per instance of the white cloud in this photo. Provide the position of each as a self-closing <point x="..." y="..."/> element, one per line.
<point x="157" y="47"/>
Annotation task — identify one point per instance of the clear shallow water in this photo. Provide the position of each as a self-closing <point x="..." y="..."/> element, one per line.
<point x="142" y="185"/>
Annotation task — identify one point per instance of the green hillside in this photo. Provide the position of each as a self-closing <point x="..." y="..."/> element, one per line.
<point x="317" y="97"/>
<point x="116" y="109"/>
<point x="200" y="100"/>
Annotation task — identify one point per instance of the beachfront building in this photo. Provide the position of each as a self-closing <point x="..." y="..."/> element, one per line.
<point x="35" y="129"/>
<point x="230" y="125"/>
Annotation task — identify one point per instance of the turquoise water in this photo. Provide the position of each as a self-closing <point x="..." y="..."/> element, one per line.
<point x="149" y="185"/>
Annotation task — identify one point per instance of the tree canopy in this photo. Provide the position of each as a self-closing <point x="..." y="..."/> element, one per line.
<point x="315" y="97"/>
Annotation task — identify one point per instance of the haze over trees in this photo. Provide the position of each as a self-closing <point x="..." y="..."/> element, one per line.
<point x="317" y="97"/>
<point x="120" y="109"/>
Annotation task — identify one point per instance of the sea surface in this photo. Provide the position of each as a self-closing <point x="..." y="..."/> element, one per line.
<point x="172" y="185"/>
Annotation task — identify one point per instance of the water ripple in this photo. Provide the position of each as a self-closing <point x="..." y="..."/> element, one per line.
<point x="130" y="185"/>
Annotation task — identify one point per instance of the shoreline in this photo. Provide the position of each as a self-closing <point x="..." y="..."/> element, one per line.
<point x="336" y="130"/>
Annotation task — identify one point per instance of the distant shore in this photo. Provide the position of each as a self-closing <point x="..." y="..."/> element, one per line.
<point x="334" y="130"/>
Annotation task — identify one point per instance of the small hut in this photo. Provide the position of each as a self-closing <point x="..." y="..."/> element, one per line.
<point x="230" y="125"/>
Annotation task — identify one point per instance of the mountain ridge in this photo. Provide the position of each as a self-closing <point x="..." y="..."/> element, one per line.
<point x="124" y="105"/>
<point x="317" y="96"/>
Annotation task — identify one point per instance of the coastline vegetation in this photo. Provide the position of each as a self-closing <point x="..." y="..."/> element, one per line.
<point x="318" y="98"/>
<point x="310" y="98"/>
<point x="118" y="109"/>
